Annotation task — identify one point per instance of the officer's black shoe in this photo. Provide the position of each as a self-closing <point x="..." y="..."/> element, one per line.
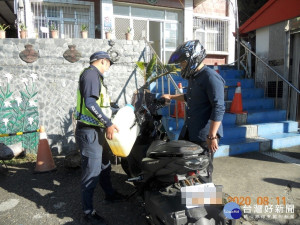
<point x="115" y="197"/>
<point x="93" y="218"/>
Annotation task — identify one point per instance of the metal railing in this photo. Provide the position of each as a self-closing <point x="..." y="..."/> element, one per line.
<point x="170" y="79"/>
<point x="66" y="18"/>
<point x="274" y="84"/>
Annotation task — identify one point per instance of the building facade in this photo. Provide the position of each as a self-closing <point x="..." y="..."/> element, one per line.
<point x="275" y="31"/>
<point x="165" y="23"/>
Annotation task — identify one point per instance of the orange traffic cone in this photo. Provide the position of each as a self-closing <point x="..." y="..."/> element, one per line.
<point x="216" y="68"/>
<point x="237" y="105"/>
<point x="44" y="162"/>
<point x="180" y="105"/>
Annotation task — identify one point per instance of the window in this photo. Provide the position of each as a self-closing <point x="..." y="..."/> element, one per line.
<point x="160" y="26"/>
<point x="147" y="13"/>
<point x="67" y="18"/>
<point x="121" y="10"/>
<point x="212" y="33"/>
<point x="171" y="35"/>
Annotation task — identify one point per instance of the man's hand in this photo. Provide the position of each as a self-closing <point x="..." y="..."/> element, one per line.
<point x="212" y="145"/>
<point x="109" y="131"/>
<point x="177" y="97"/>
<point x="166" y="96"/>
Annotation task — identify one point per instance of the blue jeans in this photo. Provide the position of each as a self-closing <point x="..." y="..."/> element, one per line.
<point x="95" y="164"/>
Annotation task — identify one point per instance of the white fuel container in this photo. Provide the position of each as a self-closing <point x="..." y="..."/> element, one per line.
<point x="122" y="142"/>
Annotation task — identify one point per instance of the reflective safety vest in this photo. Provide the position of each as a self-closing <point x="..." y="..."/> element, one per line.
<point x="85" y="116"/>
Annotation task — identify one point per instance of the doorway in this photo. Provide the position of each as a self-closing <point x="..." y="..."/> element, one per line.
<point x="155" y="37"/>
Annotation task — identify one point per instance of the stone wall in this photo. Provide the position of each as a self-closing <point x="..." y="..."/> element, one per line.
<point x="57" y="78"/>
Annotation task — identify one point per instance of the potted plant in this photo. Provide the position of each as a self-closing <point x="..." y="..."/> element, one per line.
<point x="128" y="33"/>
<point x="53" y="30"/>
<point x="23" y="31"/>
<point x="3" y="27"/>
<point x="108" y="33"/>
<point x="84" y="31"/>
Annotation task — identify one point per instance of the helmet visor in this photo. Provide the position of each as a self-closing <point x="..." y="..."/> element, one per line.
<point x="176" y="57"/>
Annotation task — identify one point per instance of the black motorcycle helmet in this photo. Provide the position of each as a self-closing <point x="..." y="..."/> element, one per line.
<point x="192" y="52"/>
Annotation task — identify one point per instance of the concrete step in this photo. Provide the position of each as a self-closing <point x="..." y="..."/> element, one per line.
<point x="232" y="74"/>
<point x="283" y="140"/>
<point x="254" y="104"/>
<point x="246" y="138"/>
<point x="265" y="129"/>
<point x="255" y="109"/>
<point x="231" y="77"/>
<point x="247" y="93"/>
<point x="245" y="83"/>
<point x="233" y="132"/>
<point x="254" y="117"/>
<point x="258" y="130"/>
<point x="229" y="147"/>
<point x="263" y="116"/>
<point x="229" y="119"/>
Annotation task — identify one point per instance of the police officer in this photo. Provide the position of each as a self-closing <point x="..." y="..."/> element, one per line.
<point x="93" y="115"/>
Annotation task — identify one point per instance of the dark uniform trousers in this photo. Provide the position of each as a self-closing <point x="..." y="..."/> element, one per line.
<point x="95" y="163"/>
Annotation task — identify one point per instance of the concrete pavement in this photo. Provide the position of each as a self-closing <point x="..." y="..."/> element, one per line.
<point x="269" y="185"/>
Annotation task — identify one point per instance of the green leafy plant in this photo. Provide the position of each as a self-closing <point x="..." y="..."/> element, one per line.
<point x="3" y="27"/>
<point x="109" y="30"/>
<point x="152" y="71"/>
<point x="84" y="27"/>
<point x="129" y="30"/>
<point x="147" y="68"/>
<point x="22" y="26"/>
<point x="53" y="26"/>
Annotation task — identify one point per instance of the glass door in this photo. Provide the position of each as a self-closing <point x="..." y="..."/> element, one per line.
<point x="155" y="37"/>
<point x="170" y="39"/>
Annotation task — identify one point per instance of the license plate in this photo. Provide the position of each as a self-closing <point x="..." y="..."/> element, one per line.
<point x="202" y="194"/>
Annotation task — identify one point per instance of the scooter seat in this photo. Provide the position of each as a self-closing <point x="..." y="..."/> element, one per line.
<point x="179" y="148"/>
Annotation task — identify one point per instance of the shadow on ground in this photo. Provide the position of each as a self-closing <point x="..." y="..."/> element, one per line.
<point x="261" y="157"/>
<point x="54" y="197"/>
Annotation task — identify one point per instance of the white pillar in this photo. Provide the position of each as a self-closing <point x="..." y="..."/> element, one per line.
<point x="28" y="19"/>
<point x="188" y="20"/>
<point x="231" y="29"/>
<point x="107" y="20"/>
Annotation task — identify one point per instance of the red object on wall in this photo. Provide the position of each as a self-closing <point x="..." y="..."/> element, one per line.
<point x="274" y="11"/>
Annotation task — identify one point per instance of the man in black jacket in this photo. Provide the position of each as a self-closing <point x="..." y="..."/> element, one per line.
<point x="204" y="98"/>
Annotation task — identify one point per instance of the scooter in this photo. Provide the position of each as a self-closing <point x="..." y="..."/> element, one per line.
<point x="165" y="172"/>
